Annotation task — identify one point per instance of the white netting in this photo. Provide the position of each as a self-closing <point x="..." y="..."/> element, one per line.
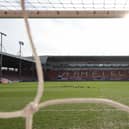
<point x="66" y="5"/>
<point x="35" y="105"/>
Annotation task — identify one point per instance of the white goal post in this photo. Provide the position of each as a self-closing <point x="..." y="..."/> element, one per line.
<point x="65" y="8"/>
<point x="35" y="105"/>
<point x="65" y="14"/>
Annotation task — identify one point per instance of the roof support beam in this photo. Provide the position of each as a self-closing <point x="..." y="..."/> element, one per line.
<point x="65" y="14"/>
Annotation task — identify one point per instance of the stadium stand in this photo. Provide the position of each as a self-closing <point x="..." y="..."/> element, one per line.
<point x="87" y="68"/>
<point x="66" y="68"/>
<point x="15" y="68"/>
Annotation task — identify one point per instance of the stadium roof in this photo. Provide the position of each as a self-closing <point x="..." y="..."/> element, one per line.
<point x="88" y="59"/>
<point x="17" y="57"/>
<point x="66" y="8"/>
<point x="12" y="61"/>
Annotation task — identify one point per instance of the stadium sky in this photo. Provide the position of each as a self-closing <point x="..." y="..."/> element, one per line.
<point x="68" y="36"/>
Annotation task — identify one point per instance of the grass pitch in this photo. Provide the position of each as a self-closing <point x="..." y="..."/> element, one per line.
<point x="71" y="116"/>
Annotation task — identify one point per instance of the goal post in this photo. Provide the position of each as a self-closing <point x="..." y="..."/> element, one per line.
<point x="65" y="8"/>
<point x="65" y="14"/>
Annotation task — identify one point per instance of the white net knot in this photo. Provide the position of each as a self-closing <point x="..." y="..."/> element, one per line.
<point x="30" y="109"/>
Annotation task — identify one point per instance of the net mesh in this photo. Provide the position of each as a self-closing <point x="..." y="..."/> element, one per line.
<point x="66" y="5"/>
<point x="28" y="111"/>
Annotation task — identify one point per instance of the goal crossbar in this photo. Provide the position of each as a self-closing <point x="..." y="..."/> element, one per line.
<point x="65" y="14"/>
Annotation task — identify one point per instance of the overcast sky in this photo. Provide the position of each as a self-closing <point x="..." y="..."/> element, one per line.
<point x="68" y="36"/>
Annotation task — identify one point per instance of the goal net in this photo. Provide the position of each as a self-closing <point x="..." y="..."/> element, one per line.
<point x="59" y="9"/>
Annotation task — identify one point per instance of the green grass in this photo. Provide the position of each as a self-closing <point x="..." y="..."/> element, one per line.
<point x="68" y="116"/>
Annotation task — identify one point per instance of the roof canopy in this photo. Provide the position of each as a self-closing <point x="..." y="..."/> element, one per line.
<point x="94" y="59"/>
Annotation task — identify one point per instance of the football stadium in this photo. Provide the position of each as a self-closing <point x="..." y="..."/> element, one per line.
<point x="69" y="90"/>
